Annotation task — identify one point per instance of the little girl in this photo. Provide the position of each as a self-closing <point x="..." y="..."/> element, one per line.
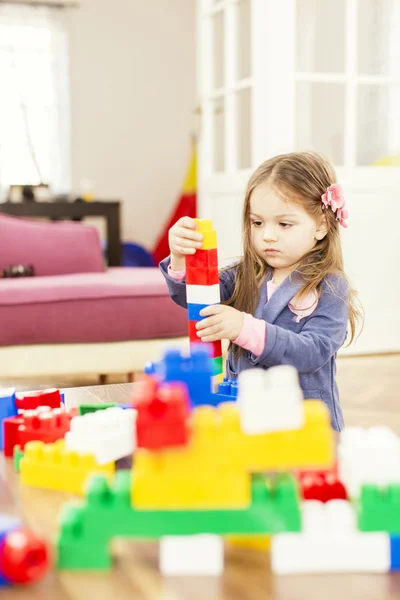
<point x="288" y="300"/>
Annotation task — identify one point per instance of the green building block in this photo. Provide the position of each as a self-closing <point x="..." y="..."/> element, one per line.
<point x="18" y="454"/>
<point x="378" y="508"/>
<point x="88" y="408"/>
<point x="87" y="529"/>
<point x="217" y="365"/>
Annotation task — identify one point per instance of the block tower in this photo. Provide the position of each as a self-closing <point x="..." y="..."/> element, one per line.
<point x="202" y="289"/>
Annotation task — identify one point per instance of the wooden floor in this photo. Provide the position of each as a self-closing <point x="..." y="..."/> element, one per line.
<point x="368" y="385"/>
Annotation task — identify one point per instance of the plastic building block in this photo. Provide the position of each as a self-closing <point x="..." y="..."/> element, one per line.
<point x="87" y="529"/>
<point x="24" y="558"/>
<point x="31" y="400"/>
<point x="228" y="390"/>
<point x="330" y="543"/>
<point x="379" y="508"/>
<point x="191" y="555"/>
<point x="89" y="408"/>
<point x="18" y="454"/>
<point x="202" y="268"/>
<point x="10" y="434"/>
<point x="394" y="552"/>
<point x="162" y="414"/>
<point x="323" y="486"/>
<point x="203" y="294"/>
<point x="204" y="227"/>
<point x="194" y="311"/>
<point x="106" y="434"/>
<point x="221" y="455"/>
<point x="43" y="424"/>
<point x="217" y="365"/>
<point x="8" y="408"/>
<point x="195" y="371"/>
<point x="252" y="542"/>
<point x="368" y="456"/>
<point x="51" y="466"/>
<point x="270" y="400"/>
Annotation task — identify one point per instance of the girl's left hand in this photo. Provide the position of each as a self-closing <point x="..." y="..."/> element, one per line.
<point x="223" y="322"/>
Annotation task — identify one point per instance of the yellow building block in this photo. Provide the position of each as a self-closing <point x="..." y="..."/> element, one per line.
<point x="251" y="542"/>
<point x="51" y="466"/>
<point x="213" y="469"/>
<point x="209" y="234"/>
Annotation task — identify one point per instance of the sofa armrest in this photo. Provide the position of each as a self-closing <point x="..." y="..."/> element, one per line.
<point x="52" y="248"/>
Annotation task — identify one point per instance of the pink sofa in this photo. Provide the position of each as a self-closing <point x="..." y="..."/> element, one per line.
<point x="75" y="316"/>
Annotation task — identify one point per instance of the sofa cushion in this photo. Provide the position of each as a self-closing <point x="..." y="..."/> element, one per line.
<point x="118" y="305"/>
<point x="52" y="248"/>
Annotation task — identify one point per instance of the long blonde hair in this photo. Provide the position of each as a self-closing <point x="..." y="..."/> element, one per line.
<point x="299" y="178"/>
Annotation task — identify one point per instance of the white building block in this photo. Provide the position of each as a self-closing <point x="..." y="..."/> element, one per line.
<point x="201" y="554"/>
<point x="109" y="434"/>
<point x="368" y="456"/>
<point x="203" y="294"/>
<point x="270" y="400"/>
<point x="330" y="543"/>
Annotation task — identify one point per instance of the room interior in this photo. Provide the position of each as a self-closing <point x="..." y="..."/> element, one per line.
<point x="116" y="114"/>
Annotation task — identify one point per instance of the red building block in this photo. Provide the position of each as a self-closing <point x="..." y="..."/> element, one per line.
<point x="32" y="400"/>
<point x="202" y="267"/>
<point x="43" y="424"/>
<point x="24" y="558"/>
<point x="11" y="435"/>
<point x="322" y="486"/>
<point x="215" y="347"/>
<point x="162" y="414"/>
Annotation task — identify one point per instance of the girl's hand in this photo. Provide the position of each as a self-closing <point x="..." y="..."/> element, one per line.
<point x="183" y="238"/>
<point x="223" y="322"/>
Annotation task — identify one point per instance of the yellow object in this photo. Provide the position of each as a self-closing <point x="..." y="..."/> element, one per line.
<point x="52" y="467"/>
<point x="388" y="161"/>
<point x="252" y="542"/>
<point x="209" y="234"/>
<point x="190" y="183"/>
<point x="218" y="378"/>
<point x="213" y="470"/>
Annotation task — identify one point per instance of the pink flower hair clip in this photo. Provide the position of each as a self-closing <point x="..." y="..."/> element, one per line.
<point x="334" y="198"/>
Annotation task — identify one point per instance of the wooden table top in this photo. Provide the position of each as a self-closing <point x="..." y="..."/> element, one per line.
<point x="135" y="575"/>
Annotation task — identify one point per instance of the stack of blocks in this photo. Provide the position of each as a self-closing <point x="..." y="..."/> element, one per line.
<point x="202" y="289"/>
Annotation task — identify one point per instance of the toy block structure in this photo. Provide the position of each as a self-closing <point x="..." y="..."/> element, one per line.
<point x="8" y="408"/>
<point x="107" y="434"/>
<point x="203" y="288"/>
<point x="222" y="455"/>
<point x="88" y="528"/>
<point x="31" y="400"/>
<point x="379" y="508"/>
<point x="51" y="466"/>
<point x="270" y="400"/>
<point x="24" y="558"/>
<point x="41" y="424"/>
<point x="162" y="414"/>
<point x="330" y="543"/>
<point x="192" y="555"/>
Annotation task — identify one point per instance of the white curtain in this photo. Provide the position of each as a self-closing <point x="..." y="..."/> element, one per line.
<point x="34" y="98"/>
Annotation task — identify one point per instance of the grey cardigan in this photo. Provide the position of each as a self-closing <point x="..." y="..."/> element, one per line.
<point x="310" y="345"/>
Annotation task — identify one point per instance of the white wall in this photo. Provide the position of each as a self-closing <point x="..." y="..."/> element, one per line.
<point x="133" y="95"/>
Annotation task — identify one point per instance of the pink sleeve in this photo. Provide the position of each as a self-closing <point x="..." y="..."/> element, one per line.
<point x="177" y="275"/>
<point x="252" y="334"/>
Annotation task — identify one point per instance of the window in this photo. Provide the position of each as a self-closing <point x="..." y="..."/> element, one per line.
<point x="34" y="98"/>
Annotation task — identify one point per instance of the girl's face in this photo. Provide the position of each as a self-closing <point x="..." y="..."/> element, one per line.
<point x="281" y="232"/>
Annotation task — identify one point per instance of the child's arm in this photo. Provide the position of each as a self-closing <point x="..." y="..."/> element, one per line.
<point x="321" y="337"/>
<point x="177" y="285"/>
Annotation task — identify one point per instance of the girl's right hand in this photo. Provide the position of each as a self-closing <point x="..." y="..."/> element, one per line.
<point x="183" y="238"/>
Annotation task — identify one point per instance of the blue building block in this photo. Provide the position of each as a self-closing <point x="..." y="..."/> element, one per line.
<point x="394" y="552"/>
<point x="7" y="524"/>
<point x="8" y="408"/>
<point x="227" y="391"/>
<point x="194" y="311"/>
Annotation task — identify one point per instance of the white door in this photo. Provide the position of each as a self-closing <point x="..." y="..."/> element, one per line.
<point x="299" y="75"/>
